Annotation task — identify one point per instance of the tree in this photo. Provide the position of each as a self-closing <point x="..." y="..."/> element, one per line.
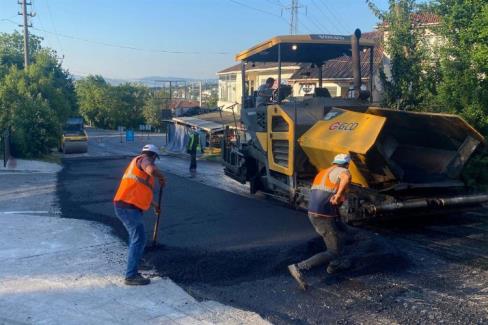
<point x="34" y="124"/>
<point x="405" y="83"/>
<point x="107" y="106"/>
<point x="34" y="102"/>
<point x="12" y="50"/>
<point x="92" y="97"/>
<point x="463" y="70"/>
<point x="153" y="107"/>
<point x="463" y="64"/>
<point x="127" y="105"/>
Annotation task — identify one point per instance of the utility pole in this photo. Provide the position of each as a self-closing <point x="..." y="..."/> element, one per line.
<point x="200" y="89"/>
<point x="293" y="16"/>
<point x="26" y="26"/>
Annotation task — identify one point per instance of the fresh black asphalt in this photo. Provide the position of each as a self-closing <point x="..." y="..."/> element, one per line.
<point x="222" y="246"/>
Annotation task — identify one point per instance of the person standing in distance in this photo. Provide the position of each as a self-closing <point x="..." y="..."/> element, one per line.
<point x="192" y="147"/>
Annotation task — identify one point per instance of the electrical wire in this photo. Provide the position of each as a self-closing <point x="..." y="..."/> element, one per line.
<point x="38" y="17"/>
<point x="127" y="47"/>
<point x="8" y="18"/>
<point x="300" y="22"/>
<point x="318" y="24"/>
<point x="275" y="3"/>
<point x="256" y="9"/>
<point x="322" y="13"/>
<point x="334" y="16"/>
<point x="318" y="21"/>
<point x="54" y="26"/>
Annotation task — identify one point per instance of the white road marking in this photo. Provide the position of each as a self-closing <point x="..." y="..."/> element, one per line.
<point x="28" y="189"/>
<point x="24" y="194"/>
<point x="25" y="212"/>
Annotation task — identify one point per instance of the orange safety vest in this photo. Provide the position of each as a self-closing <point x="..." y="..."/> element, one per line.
<point x="322" y="181"/>
<point x="136" y="187"/>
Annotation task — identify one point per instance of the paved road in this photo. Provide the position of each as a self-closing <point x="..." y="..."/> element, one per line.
<point x="27" y="186"/>
<point x="220" y="244"/>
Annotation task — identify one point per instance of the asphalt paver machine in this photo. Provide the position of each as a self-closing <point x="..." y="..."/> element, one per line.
<point x="402" y="162"/>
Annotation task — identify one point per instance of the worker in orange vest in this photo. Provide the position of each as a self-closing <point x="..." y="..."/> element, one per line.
<point x="328" y="192"/>
<point x="133" y="197"/>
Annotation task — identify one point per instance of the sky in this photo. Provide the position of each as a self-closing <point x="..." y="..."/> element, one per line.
<point x="127" y="39"/>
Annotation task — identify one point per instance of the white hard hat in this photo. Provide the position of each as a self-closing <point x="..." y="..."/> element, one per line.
<point x="151" y="148"/>
<point x="341" y="159"/>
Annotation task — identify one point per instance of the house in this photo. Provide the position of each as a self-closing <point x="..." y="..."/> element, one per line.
<point x="180" y="107"/>
<point x="230" y="79"/>
<point x="425" y="22"/>
<point x="337" y="75"/>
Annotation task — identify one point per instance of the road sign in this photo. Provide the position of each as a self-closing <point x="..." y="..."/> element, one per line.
<point x="129" y="135"/>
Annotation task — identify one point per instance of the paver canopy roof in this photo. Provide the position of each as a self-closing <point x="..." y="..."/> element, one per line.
<point x="315" y="48"/>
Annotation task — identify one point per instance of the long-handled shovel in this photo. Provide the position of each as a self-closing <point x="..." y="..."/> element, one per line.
<point x="156" y="224"/>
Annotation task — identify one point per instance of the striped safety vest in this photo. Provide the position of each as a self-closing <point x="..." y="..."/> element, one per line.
<point x="322" y="181"/>
<point x="136" y="187"/>
<point x="322" y="190"/>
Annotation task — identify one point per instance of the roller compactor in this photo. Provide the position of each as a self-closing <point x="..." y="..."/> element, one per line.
<point x="74" y="138"/>
<point x="403" y="163"/>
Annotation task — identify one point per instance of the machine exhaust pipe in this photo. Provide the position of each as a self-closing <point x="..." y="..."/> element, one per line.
<point x="427" y="203"/>
<point x="356" y="62"/>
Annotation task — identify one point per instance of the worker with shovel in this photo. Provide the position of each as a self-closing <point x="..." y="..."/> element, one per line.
<point x="133" y="197"/>
<point x="328" y="192"/>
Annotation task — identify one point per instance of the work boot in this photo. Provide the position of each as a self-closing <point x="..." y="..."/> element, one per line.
<point x="137" y="280"/>
<point x="297" y="275"/>
<point x="336" y="266"/>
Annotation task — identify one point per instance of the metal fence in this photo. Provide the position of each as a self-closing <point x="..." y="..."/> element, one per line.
<point x="5" y="146"/>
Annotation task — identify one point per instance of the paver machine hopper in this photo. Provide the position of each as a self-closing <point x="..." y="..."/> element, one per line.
<point x="402" y="162"/>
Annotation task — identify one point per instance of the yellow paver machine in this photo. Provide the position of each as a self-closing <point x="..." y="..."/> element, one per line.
<point x="403" y="163"/>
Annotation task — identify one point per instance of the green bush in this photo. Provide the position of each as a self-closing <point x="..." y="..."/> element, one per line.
<point x="36" y="101"/>
<point x="35" y="126"/>
<point x="106" y="106"/>
<point x="475" y="174"/>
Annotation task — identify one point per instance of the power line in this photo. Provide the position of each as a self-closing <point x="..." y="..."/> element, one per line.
<point x="8" y="18"/>
<point x="257" y="9"/>
<point x="127" y="47"/>
<point x="334" y="16"/>
<point x="318" y="21"/>
<point x="41" y="23"/>
<point x="254" y="8"/>
<point x="310" y="31"/>
<point x="320" y="10"/>
<point x="317" y="24"/>
<point x="275" y="3"/>
<point x="54" y="26"/>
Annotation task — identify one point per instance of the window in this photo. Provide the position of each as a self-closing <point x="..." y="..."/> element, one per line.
<point x="227" y="86"/>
